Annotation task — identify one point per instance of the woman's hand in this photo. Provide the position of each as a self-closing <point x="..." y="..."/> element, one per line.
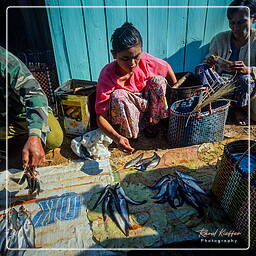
<point x="107" y="128"/>
<point x="33" y="154"/>
<point x="124" y="144"/>
<point x="240" y="67"/>
<point x="211" y="62"/>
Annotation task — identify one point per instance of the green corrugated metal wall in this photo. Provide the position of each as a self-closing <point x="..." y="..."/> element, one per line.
<point x="181" y="35"/>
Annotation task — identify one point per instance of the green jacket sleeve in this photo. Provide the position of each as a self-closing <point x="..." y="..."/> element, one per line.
<point x="31" y="96"/>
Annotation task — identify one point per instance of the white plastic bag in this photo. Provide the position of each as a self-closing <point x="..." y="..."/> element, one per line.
<point x="94" y="142"/>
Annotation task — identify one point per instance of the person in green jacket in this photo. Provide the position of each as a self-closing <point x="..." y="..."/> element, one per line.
<point x="28" y="111"/>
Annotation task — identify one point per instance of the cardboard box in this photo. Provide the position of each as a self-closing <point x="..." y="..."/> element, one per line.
<point x="75" y="105"/>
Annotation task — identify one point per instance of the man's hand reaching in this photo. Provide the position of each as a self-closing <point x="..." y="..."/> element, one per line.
<point x="33" y="154"/>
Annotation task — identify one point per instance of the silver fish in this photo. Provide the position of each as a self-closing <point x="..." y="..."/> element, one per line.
<point x="145" y="160"/>
<point x="12" y="239"/>
<point x="29" y="233"/>
<point x="134" y="161"/>
<point x="162" y="191"/>
<point x="101" y="197"/>
<point x="149" y="163"/>
<point x="159" y="183"/>
<point x="13" y="219"/>
<point x="22" y="215"/>
<point x="185" y="176"/>
<point x="105" y="206"/>
<point x="22" y="179"/>
<point x="2" y="235"/>
<point x="193" y="185"/>
<point x="120" y="190"/>
<point x="124" y="209"/>
<point x="116" y="217"/>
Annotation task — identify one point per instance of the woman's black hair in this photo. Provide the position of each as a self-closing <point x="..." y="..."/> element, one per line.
<point x="251" y="4"/>
<point x="125" y="37"/>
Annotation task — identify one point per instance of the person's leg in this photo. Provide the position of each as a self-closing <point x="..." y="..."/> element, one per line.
<point x="209" y="77"/>
<point x="154" y="93"/>
<point x="54" y="138"/>
<point x="245" y="85"/>
<point x="126" y="110"/>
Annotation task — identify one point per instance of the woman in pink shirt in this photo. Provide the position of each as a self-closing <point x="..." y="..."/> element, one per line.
<point x="130" y="94"/>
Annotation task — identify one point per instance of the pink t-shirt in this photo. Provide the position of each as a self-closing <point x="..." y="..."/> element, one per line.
<point x="148" y="67"/>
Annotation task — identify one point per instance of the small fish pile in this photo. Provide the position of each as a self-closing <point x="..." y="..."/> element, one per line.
<point x="30" y="176"/>
<point x="16" y="231"/>
<point x="179" y="189"/>
<point x="144" y="164"/>
<point x="115" y="203"/>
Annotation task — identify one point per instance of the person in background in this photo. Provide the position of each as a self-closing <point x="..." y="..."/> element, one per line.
<point x="130" y="93"/>
<point x="233" y="45"/>
<point x="28" y="111"/>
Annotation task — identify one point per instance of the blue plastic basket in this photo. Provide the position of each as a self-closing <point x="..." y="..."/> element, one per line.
<point x="187" y="129"/>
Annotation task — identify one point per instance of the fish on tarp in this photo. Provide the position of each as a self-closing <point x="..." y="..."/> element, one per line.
<point x="115" y="203"/>
<point x="159" y="183"/>
<point x="192" y="184"/>
<point x="18" y="233"/>
<point x="117" y="218"/>
<point x="33" y="184"/>
<point x="120" y="190"/>
<point x="134" y="161"/>
<point x="148" y="163"/>
<point x="162" y="191"/>
<point x="188" y="177"/>
<point x="176" y="190"/>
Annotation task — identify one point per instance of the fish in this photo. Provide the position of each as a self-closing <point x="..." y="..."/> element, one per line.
<point x="116" y="217"/>
<point x="105" y="206"/>
<point x="159" y="183"/>
<point x="29" y="233"/>
<point x="22" y="179"/>
<point x="185" y="176"/>
<point x="145" y="160"/>
<point x="2" y="234"/>
<point x="120" y="190"/>
<point x="12" y="240"/>
<point x="162" y="191"/>
<point x="124" y="210"/>
<point x="13" y="218"/>
<point x="101" y="197"/>
<point x="148" y="163"/>
<point x="115" y="204"/>
<point x="134" y="161"/>
<point x="192" y="184"/>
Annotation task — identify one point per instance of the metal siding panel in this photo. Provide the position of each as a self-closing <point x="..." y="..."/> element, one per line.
<point x="195" y="35"/>
<point x="75" y="36"/>
<point x="96" y="36"/>
<point x="58" y="41"/>
<point x="115" y="17"/>
<point x="157" y="29"/>
<point x="176" y="36"/>
<point x="138" y="17"/>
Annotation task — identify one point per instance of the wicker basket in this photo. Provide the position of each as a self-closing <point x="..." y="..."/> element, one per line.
<point x="191" y="87"/>
<point x="231" y="187"/>
<point x="187" y="129"/>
